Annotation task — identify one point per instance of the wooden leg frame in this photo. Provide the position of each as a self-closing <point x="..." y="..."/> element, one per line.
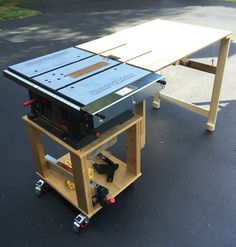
<point x="81" y="196"/>
<point x="140" y="109"/>
<point x="218" y="71"/>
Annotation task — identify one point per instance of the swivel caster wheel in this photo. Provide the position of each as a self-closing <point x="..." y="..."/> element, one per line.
<point x="40" y="188"/>
<point x="80" y="222"/>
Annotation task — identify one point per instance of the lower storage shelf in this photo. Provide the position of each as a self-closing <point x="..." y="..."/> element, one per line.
<point x="122" y="179"/>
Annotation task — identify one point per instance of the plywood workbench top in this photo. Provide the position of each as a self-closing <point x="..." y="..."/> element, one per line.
<point x="155" y="44"/>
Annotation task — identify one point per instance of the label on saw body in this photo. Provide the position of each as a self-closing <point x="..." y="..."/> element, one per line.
<point x="126" y="90"/>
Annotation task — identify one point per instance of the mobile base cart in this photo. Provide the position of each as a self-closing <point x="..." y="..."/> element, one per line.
<point x="82" y="195"/>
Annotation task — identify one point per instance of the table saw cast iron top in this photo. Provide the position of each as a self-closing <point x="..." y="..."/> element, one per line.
<point x="77" y="95"/>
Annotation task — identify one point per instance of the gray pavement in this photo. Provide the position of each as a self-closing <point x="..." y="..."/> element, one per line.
<point x="187" y="194"/>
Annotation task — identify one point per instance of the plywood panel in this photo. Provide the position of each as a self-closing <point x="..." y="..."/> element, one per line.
<point x="156" y="44"/>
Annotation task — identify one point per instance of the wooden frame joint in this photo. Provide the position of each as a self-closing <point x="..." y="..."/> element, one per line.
<point x="198" y="66"/>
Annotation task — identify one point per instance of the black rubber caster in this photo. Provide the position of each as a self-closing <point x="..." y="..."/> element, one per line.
<point x="40" y="187"/>
<point x="80" y="222"/>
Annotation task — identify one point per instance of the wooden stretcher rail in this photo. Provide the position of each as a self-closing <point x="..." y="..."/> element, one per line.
<point x="186" y="105"/>
<point x="198" y="66"/>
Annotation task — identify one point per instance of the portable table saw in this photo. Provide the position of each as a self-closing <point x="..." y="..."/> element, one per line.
<point x="76" y="94"/>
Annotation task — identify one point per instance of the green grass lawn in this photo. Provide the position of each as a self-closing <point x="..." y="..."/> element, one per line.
<point x="9" y="10"/>
<point x="232" y="1"/>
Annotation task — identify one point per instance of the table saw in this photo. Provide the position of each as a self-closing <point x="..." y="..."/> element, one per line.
<point x="76" y="94"/>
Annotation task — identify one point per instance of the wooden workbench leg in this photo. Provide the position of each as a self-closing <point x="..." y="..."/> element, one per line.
<point x="133" y="149"/>
<point x="81" y="179"/>
<point x="156" y="103"/>
<point x="140" y="109"/>
<point x="37" y="149"/>
<point x="223" y="53"/>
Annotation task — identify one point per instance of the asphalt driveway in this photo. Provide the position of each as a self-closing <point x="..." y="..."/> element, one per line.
<point x="187" y="194"/>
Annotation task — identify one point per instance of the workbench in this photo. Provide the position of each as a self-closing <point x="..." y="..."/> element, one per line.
<point x="158" y="44"/>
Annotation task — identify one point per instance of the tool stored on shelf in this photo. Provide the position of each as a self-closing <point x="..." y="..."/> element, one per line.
<point x="100" y="195"/>
<point x="108" y="169"/>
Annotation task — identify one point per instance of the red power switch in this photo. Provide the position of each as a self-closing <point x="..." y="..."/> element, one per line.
<point x="28" y="102"/>
<point x="111" y="201"/>
<point x="95" y="133"/>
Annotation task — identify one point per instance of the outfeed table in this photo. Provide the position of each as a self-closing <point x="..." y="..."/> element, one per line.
<point x="157" y="44"/>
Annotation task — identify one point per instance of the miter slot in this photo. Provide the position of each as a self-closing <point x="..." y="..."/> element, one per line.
<point x="67" y="75"/>
<point x="43" y="64"/>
